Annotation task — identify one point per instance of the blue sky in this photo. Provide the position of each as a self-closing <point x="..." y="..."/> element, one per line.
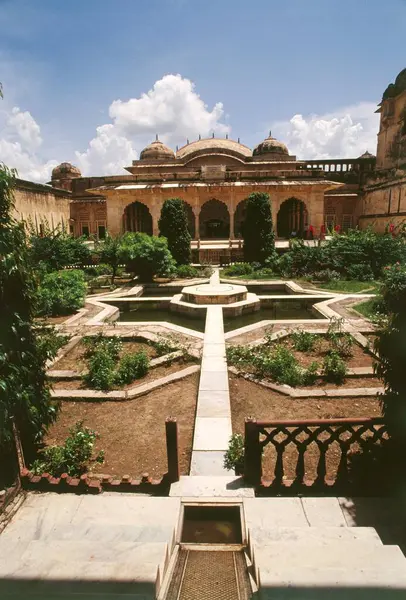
<point x="312" y="70"/>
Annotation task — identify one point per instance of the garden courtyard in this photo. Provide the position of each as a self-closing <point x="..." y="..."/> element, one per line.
<point x="263" y="381"/>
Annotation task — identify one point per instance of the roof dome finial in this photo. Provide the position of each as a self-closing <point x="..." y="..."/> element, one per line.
<point x="271" y="146"/>
<point x="157" y="151"/>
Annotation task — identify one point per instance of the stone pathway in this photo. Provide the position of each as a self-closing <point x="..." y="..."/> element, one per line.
<point x="213" y="416"/>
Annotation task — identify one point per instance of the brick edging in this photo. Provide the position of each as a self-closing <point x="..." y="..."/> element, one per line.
<point x="85" y="484"/>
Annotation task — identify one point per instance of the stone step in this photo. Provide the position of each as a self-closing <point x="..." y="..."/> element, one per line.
<point x="211" y="486"/>
<point x="312" y="535"/>
<point x="332" y="564"/>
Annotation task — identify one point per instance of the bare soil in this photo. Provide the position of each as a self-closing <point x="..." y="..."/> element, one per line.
<point x="250" y="399"/>
<point x="74" y="360"/>
<point x="132" y="433"/>
<point x="152" y="375"/>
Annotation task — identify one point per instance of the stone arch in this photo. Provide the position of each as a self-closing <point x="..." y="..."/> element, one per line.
<point x="239" y="217"/>
<point x="292" y="218"/>
<point x="137" y="218"/>
<point x="214" y="220"/>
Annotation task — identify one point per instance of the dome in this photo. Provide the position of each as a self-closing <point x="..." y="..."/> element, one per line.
<point x="214" y="146"/>
<point x="66" y="171"/>
<point x="394" y="89"/>
<point x="157" y="151"/>
<point x="367" y="155"/>
<point x="270" y="146"/>
<point x="400" y="80"/>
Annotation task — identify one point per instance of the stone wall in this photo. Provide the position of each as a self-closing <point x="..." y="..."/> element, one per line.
<point x="383" y="204"/>
<point x="41" y="205"/>
<point x="392" y="123"/>
<point x="89" y="218"/>
<point x="343" y="210"/>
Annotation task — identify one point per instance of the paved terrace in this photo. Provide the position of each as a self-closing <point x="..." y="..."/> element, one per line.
<point x="109" y="546"/>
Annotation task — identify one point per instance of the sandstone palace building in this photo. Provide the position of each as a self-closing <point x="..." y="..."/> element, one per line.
<point x="215" y="176"/>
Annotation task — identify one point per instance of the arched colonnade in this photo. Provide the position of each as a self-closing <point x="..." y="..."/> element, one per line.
<point x="215" y="219"/>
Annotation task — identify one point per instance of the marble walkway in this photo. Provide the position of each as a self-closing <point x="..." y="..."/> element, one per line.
<point x="213" y="415"/>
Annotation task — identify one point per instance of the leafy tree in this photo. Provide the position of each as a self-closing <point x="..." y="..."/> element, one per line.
<point x="146" y="256"/>
<point x="24" y="392"/>
<point x="61" y="293"/>
<point x="57" y="249"/>
<point x="390" y="345"/>
<point x="173" y="225"/>
<point x="259" y="239"/>
<point x="109" y="252"/>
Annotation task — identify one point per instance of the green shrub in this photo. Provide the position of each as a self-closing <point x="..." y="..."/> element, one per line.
<point x="326" y="275"/>
<point x="334" y="368"/>
<point x="340" y="341"/>
<point x="302" y="260"/>
<point x="354" y="255"/>
<point x="61" y="293"/>
<point x="101" y="374"/>
<point x="238" y="269"/>
<point x="132" y="366"/>
<point x="257" y="228"/>
<point x="303" y="341"/>
<point x="25" y="398"/>
<point x="49" y="340"/>
<point x="310" y="374"/>
<point x="109" y="251"/>
<point x="165" y="345"/>
<point x="276" y="362"/>
<point x="234" y="456"/>
<point x="72" y="457"/>
<point x="264" y="273"/>
<point x="146" y="256"/>
<point x="359" y="272"/>
<point x="391" y="347"/>
<point x="205" y="271"/>
<point x="173" y="225"/>
<point x="187" y="272"/>
<point x="98" y="270"/>
<point x="111" y="344"/>
<point x="365" y="247"/>
<point x="57" y="249"/>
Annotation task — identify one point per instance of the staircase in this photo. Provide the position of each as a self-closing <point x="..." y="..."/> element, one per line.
<point x="216" y="573"/>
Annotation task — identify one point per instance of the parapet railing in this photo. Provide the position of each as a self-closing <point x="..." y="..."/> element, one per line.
<point x="315" y="453"/>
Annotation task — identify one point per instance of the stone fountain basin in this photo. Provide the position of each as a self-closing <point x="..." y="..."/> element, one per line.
<point x="249" y="304"/>
<point x="220" y="293"/>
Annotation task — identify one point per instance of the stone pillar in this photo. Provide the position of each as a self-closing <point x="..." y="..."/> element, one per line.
<point x="232" y="234"/>
<point x="155" y="227"/>
<point x="197" y="226"/>
<point x="115" y="211"/>
<point x="316" y="212"/>
<point x="172" y="452"/>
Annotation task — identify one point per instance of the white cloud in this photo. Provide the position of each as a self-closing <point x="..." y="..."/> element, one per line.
<point x="172" y="108"/>
<point x="20" y="139"/>
<point x="346" y="133"/>
<point x="26" y="128"/>
<point x="107" y="153"/>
